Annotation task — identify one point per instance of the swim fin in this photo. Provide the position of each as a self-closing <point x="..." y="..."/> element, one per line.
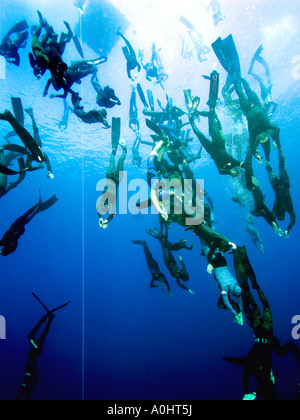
<point x="238" y="361"/>
<point x="139" y="242"/>
<point x="227" y="55"/>
<point x="78" y="46"/>
<point x="18" y="109"/>
<point x="97" y="61"/>
<point x="151" y="99"/>
<point x="19" y="27"/>
<point x="141" y="95"/>
<point x="187" y="23"/>
<point x="157" y="130"/>
<point x="115" y="132"/>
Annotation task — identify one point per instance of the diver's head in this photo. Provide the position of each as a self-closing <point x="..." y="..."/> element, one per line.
<point x="103" y="112"/>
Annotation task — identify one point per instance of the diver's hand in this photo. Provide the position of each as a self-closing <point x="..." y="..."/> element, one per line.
<point x="233" y="246"/>
<point x="286" y="234"/>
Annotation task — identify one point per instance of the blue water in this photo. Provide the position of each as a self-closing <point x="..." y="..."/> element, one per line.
<point x="119" y="339"/>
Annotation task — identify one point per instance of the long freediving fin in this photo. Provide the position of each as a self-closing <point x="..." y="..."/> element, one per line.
<point x="144" y="204"/>
<point x="18" y="109"/>
<point x="115" y="132"/>
<point x="254" y="58"/>
<point x="213" y="90"/>
<point x="141" y="95"/>
<point x="154" y="127"/>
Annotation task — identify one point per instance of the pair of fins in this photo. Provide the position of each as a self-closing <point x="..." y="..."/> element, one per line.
<point x="227" y="55"/>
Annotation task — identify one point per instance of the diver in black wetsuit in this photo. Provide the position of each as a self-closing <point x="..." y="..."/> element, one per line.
<point x="130" y="56"/>
<point x="9" y="48"/>
<point x="158" y="278"/>
<point x="36" y="345"/>
<point x="10" y="239"/>
<point x="258" y="363"/>
<point x="281" y="186"/>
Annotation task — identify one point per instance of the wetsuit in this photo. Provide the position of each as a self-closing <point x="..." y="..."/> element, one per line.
<point x="281" y="186"/>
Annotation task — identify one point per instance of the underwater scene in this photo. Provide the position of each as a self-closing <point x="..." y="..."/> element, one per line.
<point x="149" y="195"/>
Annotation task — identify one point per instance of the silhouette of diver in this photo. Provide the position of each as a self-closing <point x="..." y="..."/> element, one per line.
<point x="36" y="344"/>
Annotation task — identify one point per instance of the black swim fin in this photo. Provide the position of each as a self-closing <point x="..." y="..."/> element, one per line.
<point x="45" y="307"/>
<point x="18" y="109"/>
<point x="141" y="95"/>
<point x="238" y="361"/>
<point x="60" y="307"/>
<point x="213" y="90"/>
<point x="19" y="27"/>
<point x="115" y="132"/>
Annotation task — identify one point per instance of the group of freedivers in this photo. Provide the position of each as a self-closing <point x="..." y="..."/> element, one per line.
<point x="169" y="159"/>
